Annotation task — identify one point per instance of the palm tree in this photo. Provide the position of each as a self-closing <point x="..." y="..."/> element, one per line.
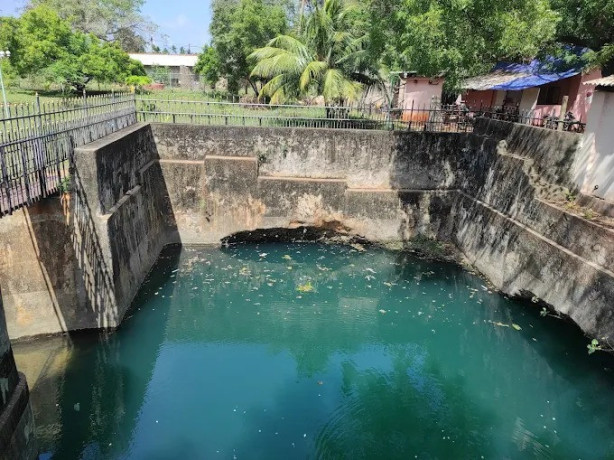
<point x="328" y="58"/>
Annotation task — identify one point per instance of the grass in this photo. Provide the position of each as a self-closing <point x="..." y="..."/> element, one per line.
<point x="195" y="111"/>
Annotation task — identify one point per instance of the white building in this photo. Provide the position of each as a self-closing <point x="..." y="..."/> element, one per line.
<point x="174" y="70"/>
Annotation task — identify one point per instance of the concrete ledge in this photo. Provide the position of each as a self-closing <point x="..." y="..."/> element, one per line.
<point x="114" y="137"/>
<point x="600" y="206"/>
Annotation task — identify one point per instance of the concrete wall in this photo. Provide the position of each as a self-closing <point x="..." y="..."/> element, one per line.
<point x="489" y="193"/>
<point x="17" y="439"/>
<point x="76" y="261"/>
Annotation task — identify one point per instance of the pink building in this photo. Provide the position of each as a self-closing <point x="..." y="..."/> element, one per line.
<point x="417" y="94"/>
<point x="535" y="89"/>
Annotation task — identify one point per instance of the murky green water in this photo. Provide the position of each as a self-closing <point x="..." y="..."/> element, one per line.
<point x="309" y="351"/>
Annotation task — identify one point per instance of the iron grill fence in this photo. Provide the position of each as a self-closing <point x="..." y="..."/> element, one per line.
<point x="439" y="118"/>
<point x="37" y="140"/>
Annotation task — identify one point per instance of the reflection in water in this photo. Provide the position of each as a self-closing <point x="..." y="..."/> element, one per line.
<point x="293" y="351"/>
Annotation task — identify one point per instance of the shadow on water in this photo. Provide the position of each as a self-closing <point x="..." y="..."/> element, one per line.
<point x="96" y="419"/>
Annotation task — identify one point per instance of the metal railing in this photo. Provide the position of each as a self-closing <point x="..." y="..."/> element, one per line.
<point x="438" y="119"/>
<point x="37" y="141"/>
<point x="537" y="118"/>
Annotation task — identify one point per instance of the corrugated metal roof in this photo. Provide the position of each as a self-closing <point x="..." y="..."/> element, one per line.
<point x="605" y="81"/>
<point x="486" y="82"/>
<point x="166" y="60"/>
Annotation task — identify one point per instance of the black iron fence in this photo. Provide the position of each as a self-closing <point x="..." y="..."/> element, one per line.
<point x="438" y="118"/>
<point x="37" y="140"/>
<point x="537" y="118"/>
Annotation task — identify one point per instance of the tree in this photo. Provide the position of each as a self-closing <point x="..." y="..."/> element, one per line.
<point x="588" y="23"/>
<point x="160" y="74"/>
<point x="43" y="43"/>
<point x="328" y="58"/>
<point x="208" y="65"/>
<point x="458" y="38"/>
<point x="238" y="27"/>
<point x="109" y="20"/>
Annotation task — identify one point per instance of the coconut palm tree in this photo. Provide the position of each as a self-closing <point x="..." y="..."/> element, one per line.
<point x="328" y="58"/>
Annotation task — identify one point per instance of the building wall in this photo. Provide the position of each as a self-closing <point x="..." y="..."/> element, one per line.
<point x="595" y="163"/>
<point x="579" y="97"/>
<point x="175" y="77"/>
<point x="419" y="93"/>
<point x="584" y="96"/>
<point x="477" y="99"/>
<point x="528" y="100"/>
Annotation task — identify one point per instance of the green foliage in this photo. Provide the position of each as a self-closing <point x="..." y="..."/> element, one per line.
<point x="65" y="185"/>
<point x="138" y="81"/>
<point x="588" y="23"/>
<point x="160" y="74"/>
<point x="458" y="38"/>
<point x="9" y="76"/>
<point x="594" y="346"/>
<point x="327" y="58"/>
<point x="120" y="21"/>
<point x="237" y="28"/>
<point x="208" y="65"/>
<point x="43" y="43"/>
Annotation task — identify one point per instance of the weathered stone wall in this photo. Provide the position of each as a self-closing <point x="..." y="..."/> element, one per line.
<point x="122" y="210"/>
<point x="40" y="277"/>
<point x="17" y="439"/>
<point x="76" y="261"/>
<point x="487" y="192"/>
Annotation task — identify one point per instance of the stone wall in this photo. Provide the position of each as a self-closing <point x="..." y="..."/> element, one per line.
<point x="17" y="439"/>
<point x="489" y="193"/>
<point x="76" y="261"/>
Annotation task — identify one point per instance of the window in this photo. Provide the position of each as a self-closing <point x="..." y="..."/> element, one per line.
<point x="549" y="95"/>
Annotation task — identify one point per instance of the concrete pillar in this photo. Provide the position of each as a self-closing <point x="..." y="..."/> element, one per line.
<point x="17" y="441"/>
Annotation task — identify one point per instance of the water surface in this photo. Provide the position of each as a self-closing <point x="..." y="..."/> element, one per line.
<point x="315" y="351"/>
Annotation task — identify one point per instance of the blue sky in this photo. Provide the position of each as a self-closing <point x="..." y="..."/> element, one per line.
<point x="181" y="22"/>
<point x="184" y="22"/>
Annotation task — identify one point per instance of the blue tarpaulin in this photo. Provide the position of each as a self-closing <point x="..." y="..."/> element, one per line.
<point x="537" y="77"/>
<point x="536" y="73"/>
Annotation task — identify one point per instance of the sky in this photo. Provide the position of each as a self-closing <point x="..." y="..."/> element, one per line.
<point x="180" y="22"/>
<point x="184" y="22"/>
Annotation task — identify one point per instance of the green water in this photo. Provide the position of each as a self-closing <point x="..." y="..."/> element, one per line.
<point x="312" y="351"/>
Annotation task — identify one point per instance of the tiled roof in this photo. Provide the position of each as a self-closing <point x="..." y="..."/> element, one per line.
<point x="485" y="82"/>
<point x="605" y="81"/>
